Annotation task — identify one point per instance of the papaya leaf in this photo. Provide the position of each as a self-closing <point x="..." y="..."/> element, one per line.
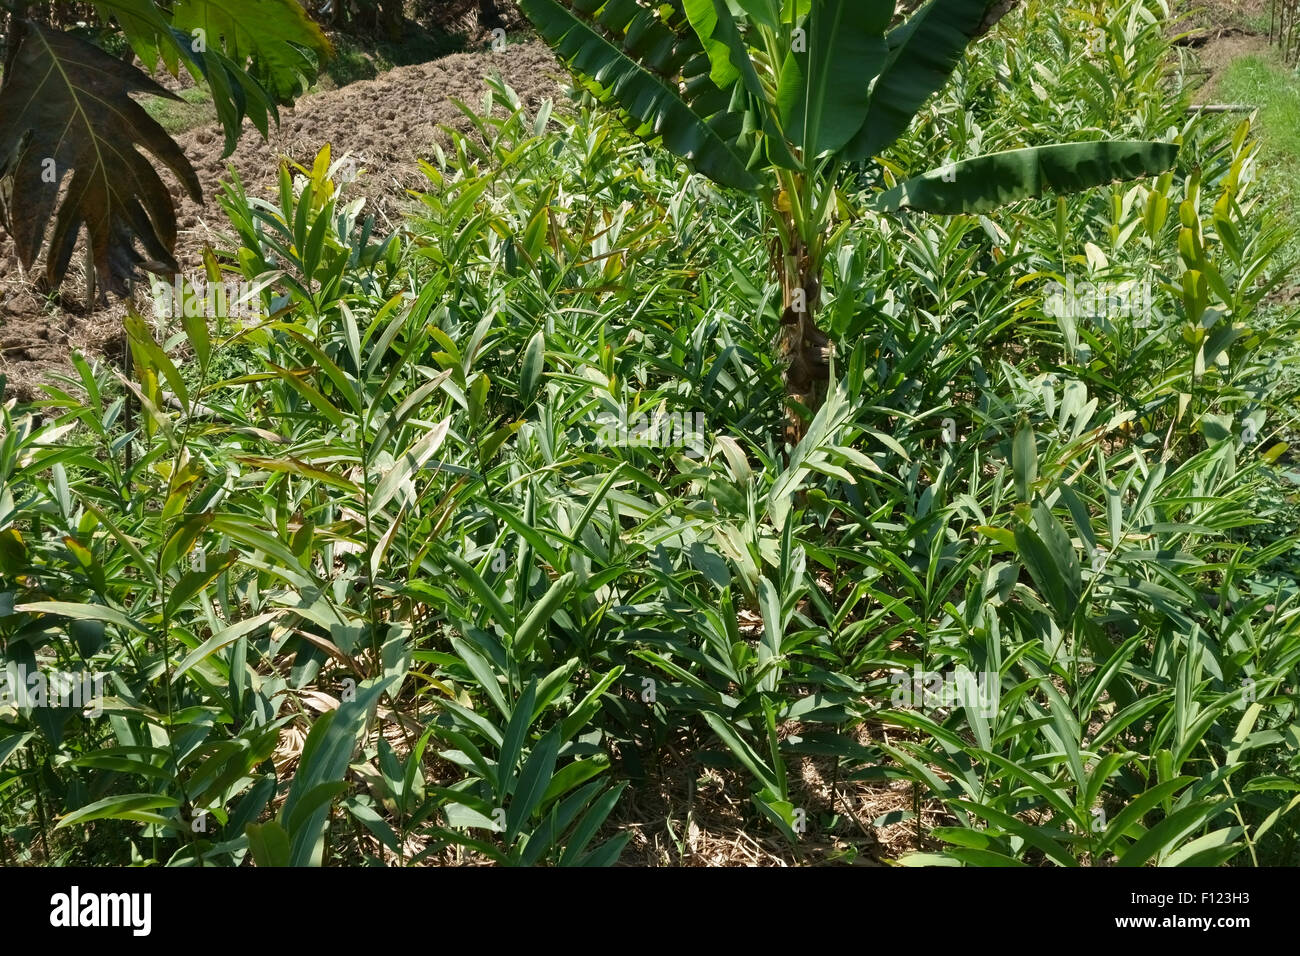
<point x="277" y="35"/>
<point x="236" y="93"/>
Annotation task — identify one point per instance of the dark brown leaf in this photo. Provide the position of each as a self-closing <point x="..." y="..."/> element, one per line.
<point x="996" y="11"/>
<point x="70" y="101"/>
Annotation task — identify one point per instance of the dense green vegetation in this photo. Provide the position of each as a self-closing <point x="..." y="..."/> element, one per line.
<point x="394" y="563"/>
<point x="777" y="98"/>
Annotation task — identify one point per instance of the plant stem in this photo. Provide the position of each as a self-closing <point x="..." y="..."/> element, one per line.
<point x="31" y="766"/>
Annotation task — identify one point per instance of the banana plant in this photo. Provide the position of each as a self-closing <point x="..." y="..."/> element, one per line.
<point x="775" y="97"/>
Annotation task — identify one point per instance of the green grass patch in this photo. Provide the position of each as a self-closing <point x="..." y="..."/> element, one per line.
<point x="364" y="58"/>
<point x="178" y="116"/>
<point x="1266" y="83"/>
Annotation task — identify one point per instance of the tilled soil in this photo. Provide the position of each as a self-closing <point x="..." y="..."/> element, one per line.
<point x="385" y="124"/>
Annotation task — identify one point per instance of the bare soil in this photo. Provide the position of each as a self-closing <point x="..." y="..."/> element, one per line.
<point x="386" y="124"/>
<point x="1222" y="31"/>
<point x="1218" y="54"/>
